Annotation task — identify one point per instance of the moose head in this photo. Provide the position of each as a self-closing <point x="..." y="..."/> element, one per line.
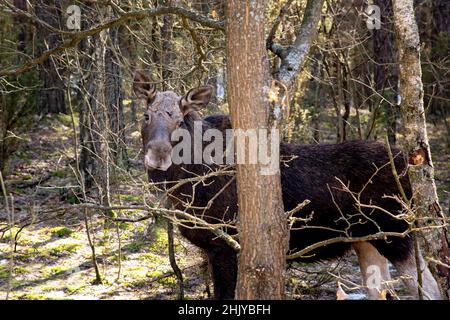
<point x="164" y="113"/>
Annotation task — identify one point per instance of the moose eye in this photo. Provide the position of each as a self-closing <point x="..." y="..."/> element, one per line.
<point x="146" y="116"/>
<point x="169" y="113"/>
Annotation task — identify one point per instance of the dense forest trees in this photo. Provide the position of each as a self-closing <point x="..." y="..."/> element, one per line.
<point x="70" y="146"/>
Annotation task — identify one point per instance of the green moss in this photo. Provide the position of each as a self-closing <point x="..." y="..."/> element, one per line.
<point x="77" y="236"/>
<point x="60" y="173"/>
<point x="7" y="236"/>
<point x="159" y="244"/>
<point x="115" y="257"/>
<point x="124" y="225"/>
<point x="142" y="283"/>
<point x="4" y="274"/>
<point x="153" y="258"/>
<point x="134" y="246"/>
<point x="53" y="271"/>
<point x="155" y="274"/>
<point x="74" y="289"/>
<point x="131" y="198"/>
<point x="63" y="249"/>
<point x="33" y="296"/>
<point x="61" y="231"/>
<point x="102" y="242"/>
<point x="140" y="228"/>
<point x="20" y="270"/>
<point x="23" y="175"/>
<point x="73" y="199"/>
<point x="26" y="254"/>
<point x="39" y="296"/>
<point x="66" y="119"/>
<point x="167" y="281"/>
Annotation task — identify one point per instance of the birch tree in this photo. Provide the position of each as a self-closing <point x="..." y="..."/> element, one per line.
<point x="416" y="146"/>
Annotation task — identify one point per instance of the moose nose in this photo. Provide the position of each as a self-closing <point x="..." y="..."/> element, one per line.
<point x="161" y="148"/>
<point x="158" y="155"/>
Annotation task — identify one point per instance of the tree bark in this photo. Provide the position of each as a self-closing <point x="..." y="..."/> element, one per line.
<point x="438" y="87"/>
<point x="166" y="49"/>
<point x="295" y="57"/>
<point x="415" y="142"/>
<point x="114" y="100"/>
<point x="385" y="72"/>
<point x="262" y="225"/>
<point x="173" y="261"/>
<point x="51" y="96"/>
<point x="19" y="22"/>
<point x="94" y="155"/>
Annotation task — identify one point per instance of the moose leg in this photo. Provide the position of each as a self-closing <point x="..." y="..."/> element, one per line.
<point x="374" y="269"/>
<point x="407" y="269"/>
<point x="223" y="262"/>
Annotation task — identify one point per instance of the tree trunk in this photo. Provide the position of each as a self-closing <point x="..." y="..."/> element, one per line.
<point x="167" y="51"/>
<point x="95" y="155"/>
<point x="438" y="90"/>
<point x="441" y="15"/>
<point x="167" y="56"/>
<point x="10" y="107"/>
<point x="385" y="72"/>
<point x="51" y="96"/>
<point x="262" y="225"/>
<point x="114" y="100"/>
<point x="415" y="142"/>
<point x="19" y="22"/>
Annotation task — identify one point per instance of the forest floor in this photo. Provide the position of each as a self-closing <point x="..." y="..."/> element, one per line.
<point x="53" y="260"/>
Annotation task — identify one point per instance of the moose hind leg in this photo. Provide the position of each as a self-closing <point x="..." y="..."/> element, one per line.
<point x="400" y="252"/>
<point x="374" y="270"/>
<point x="223" y="263"/>
<point x="407" y="268"/>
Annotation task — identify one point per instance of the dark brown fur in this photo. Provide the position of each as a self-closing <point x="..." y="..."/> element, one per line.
<point x="311" y="175"/>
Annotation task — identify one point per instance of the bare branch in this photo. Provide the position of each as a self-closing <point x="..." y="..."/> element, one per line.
<point x="76" y="37"/>
<point x="277" y="49"/>
<point x="296" y="54"/>
<point x="377" y="236"/>
<point x="197" y="42"/>
<point x="173" y="215"/>
<point x="394" y="170"/>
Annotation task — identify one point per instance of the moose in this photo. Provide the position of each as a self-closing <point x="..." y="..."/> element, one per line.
<point x="315" y="172"/>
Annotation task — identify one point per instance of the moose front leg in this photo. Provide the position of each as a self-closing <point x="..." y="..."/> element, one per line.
<point x="223" y="262"/>
<point x="374" y="270"/>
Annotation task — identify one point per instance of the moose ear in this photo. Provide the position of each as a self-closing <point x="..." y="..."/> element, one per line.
<point x="196" y="99"/>
<point x="142" y="86"/>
